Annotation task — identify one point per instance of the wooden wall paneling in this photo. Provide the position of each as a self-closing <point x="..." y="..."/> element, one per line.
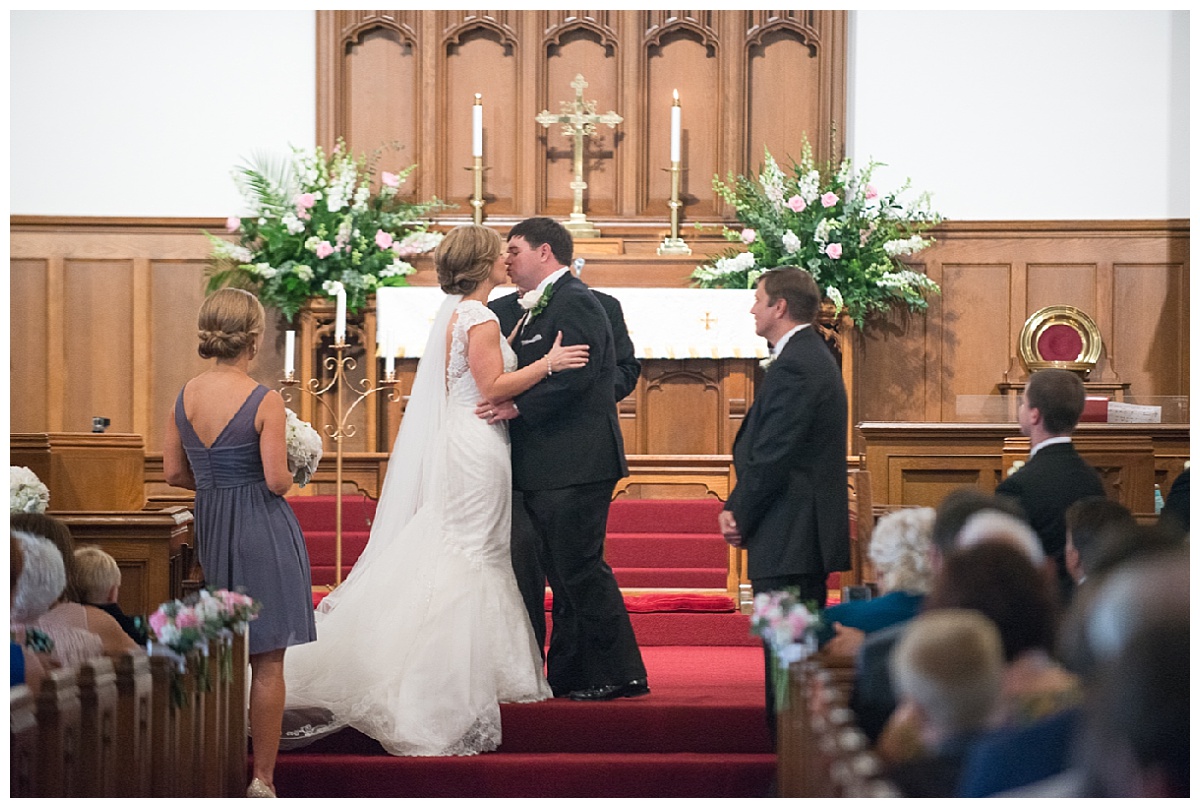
<point x="1075" y="285"/>
<point x="29" y="394"/>
<point x="381" y="96"/>
<point x="680" y="52"/>
<point x="590" y="46"/>
<point x="1151" y="314"/>
<point x="739" y="378"/>
<point x="782" y="53"/>
<point x="683" y="406"/>
<point x="98" y="311"/>
<point x="895" y="389"/>
<point x="141" y="347"/>
<point x="478" y="55"/>
<point x="976" y="347"/>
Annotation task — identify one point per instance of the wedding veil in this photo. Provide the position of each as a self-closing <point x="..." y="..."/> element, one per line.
<point x="410" y="480"/>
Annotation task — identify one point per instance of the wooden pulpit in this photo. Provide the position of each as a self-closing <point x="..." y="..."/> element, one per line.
<point x="85" y="471"/>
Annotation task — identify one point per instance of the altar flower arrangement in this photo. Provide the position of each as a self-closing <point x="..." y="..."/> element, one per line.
<point x="831" y="221"/>
<point x="314" y="219"/>
<point x="304" y="448"/>
<point x="26" y="493"/>
<point x="789" y="629"/>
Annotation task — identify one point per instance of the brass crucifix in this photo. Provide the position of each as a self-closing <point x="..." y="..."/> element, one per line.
<point x="579" y="119"/>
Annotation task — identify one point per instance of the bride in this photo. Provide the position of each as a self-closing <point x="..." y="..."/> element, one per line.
<point x="428" y="633"/>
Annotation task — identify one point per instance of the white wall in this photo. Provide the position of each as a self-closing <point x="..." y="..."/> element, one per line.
<point x="1026" y="115"/>
<point x="145" y="113"/>
<point x="1002" y="115"/>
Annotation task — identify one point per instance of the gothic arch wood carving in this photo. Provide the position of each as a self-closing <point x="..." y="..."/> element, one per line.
<point x="661" y="23"/>
<point x="599" y="23"/>
<point x="498" y="22"/>
<point x="801" y="23"/>
<point x="357" y="23"/>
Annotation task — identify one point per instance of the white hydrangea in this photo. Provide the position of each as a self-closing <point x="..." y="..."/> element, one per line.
<point x="905" y="246"/>
<point x="26" y="493"/>
<point x="835" y="297"/>
<point x="397" y="268"/>
<point x="265" y="271"/>
<point x="791" y="242"/>
<point x="304" y="272"/>
<point x="904" y="279"/>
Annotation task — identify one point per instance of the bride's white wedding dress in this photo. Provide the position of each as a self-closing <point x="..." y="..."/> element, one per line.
<point x="428" y="633"/>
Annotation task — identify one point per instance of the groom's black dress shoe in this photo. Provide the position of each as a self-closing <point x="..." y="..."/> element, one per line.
<point x="637" y="687"/>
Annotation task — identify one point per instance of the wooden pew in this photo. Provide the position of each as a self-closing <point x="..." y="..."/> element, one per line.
<point x="98" y="728"/>
<point x="23" y="742"/>
<point x="58" y="719"/>
<point x="237" y="720"/>
<point x="134" y="727"/>
<point x="164" y="728"/>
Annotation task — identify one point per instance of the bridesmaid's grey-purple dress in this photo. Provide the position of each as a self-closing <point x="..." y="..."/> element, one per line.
<point x="247" y="536"/>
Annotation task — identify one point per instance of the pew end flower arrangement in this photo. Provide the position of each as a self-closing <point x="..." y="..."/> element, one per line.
<point x="788" y="626"/>
<point x="182" y="628"/>
<point x="831" y="221"/>
<point x="313" y="220"/>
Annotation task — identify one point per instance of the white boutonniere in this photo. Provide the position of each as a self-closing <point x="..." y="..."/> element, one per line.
<point x="766" y="363"/>
<point x="533" y="303"/>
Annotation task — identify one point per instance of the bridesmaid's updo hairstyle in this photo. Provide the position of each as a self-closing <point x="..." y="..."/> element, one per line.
<point x="231" y="321"/>
<point x="465" y="257"/>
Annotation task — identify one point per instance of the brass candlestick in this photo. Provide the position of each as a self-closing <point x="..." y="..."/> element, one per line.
<point x="340" y="428"/>
<point x="673" y="244"/>
<point x="477" y="200"/>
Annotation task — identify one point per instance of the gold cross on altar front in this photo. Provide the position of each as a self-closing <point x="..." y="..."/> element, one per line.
<point x="707" y="320"/>
<point x="578" y="119"/>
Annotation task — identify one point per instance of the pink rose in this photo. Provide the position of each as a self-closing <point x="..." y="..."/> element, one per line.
<point x="383" y="240"/>
<point x="157" y="621"/>
<point x="389" y="179"/>
<point x="232" y="224"/>
<point x="829" y="199"/>
<point x="324" y="249"/>
<point x="186" y="619"/>
<point x="796" y="203"/>
<point x="748" y="236"/>
<point x="871" y="192"/>
<point x="305" y="201"/>
<point x="834" y="251"/>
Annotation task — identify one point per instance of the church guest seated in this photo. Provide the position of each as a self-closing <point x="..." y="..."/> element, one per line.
<point x="99" y="580"/>
<point x="900" y="552"/>
<point x="948" y="669"/>
<point x="873" y="698"/>
<point x="25" y="664"/>
<point x="1176" y="512"/>
<point x="1048" y="758"/>
<point x="68" y="611"/>
<point x="999" y="581"/>
<point x="39" y="587"/>
<point x="1087" y="521"/>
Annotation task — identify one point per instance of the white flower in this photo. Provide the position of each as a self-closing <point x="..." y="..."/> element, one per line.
<point x="331" y="288"/>
<point x="304" y="448"/>
<point x="26" y="493"/>
<point x="241" y="254"/>
<point x="791" y="242"/>
<point x="810" y="186"/>
<point x="265" y="271"/>
<point x="835" y="297"/>
<point x="821" y="232"/>
<point x="304" y="272"/>
<point x="905" y="246"/>
<point x="397" y="268"/>
<point x="293" y="223"/>
<point x="529" y="299"/>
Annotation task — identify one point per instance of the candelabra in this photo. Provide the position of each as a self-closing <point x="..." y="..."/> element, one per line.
<point x="340" y="428"/>
<point x="673" y="244"/>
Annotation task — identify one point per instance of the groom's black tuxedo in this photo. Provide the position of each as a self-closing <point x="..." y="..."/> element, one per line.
<point x="790" y="500"/>
<point x="567" y="455"/>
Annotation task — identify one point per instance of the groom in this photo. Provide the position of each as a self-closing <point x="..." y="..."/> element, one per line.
<point x="567" y="456"/>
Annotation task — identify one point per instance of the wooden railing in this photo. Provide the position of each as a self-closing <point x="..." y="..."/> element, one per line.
<point x="135" y="726"/>
<point x="821" y="750"/>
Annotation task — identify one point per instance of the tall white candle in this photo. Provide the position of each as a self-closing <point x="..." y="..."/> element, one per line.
<point x="477" y="127"/>
<point x="675" y="135"/>
<point x="389" y="347"/>
<point x="289" y="351"/>
<point x="339" y="331"/>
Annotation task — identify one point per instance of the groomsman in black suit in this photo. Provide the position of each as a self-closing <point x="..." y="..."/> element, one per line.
<point x="1055" y="476"/>
<point x="568" y="454"/>
<point x="790" y="508"/>
<point x="531" y="579"/>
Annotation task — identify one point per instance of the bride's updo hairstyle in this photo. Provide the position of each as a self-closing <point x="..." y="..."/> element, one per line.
<point x="465" y="257"/>
<point x="231" y="321"/>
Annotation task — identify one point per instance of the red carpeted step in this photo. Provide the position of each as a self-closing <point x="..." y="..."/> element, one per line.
<point x="559" y="776"/>
<point x="322" y="547"/>
<point x="670" y="578"/>
<point x="663" y="515"/>
<point x="666" y="550"/>
<point x="687" y="628"/>
<point x="319" y="513"/>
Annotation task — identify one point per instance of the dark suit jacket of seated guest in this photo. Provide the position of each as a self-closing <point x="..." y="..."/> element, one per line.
<point x="870" y="615"/>
<point x="1050" y="482"/>
<point x="127" y="624"/>
<point x="1017" y="756"/>
<point x="935" y="775"/>
<point x="873" y="698"/>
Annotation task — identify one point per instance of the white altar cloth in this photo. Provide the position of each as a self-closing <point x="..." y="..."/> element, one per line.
<point x="662" y="323"/>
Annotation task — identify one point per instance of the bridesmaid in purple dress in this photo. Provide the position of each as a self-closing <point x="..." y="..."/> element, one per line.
<point x="225" y="440"/>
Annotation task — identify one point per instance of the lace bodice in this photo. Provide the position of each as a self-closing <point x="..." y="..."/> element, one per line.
<point x="460" y="384"/>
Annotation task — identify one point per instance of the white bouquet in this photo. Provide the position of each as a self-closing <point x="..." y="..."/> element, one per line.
<point x="26" y="493"/>
<point x="304" y="448"/>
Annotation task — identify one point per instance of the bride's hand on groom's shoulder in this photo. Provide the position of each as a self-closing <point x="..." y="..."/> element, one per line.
<point x="501" y="411"/>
